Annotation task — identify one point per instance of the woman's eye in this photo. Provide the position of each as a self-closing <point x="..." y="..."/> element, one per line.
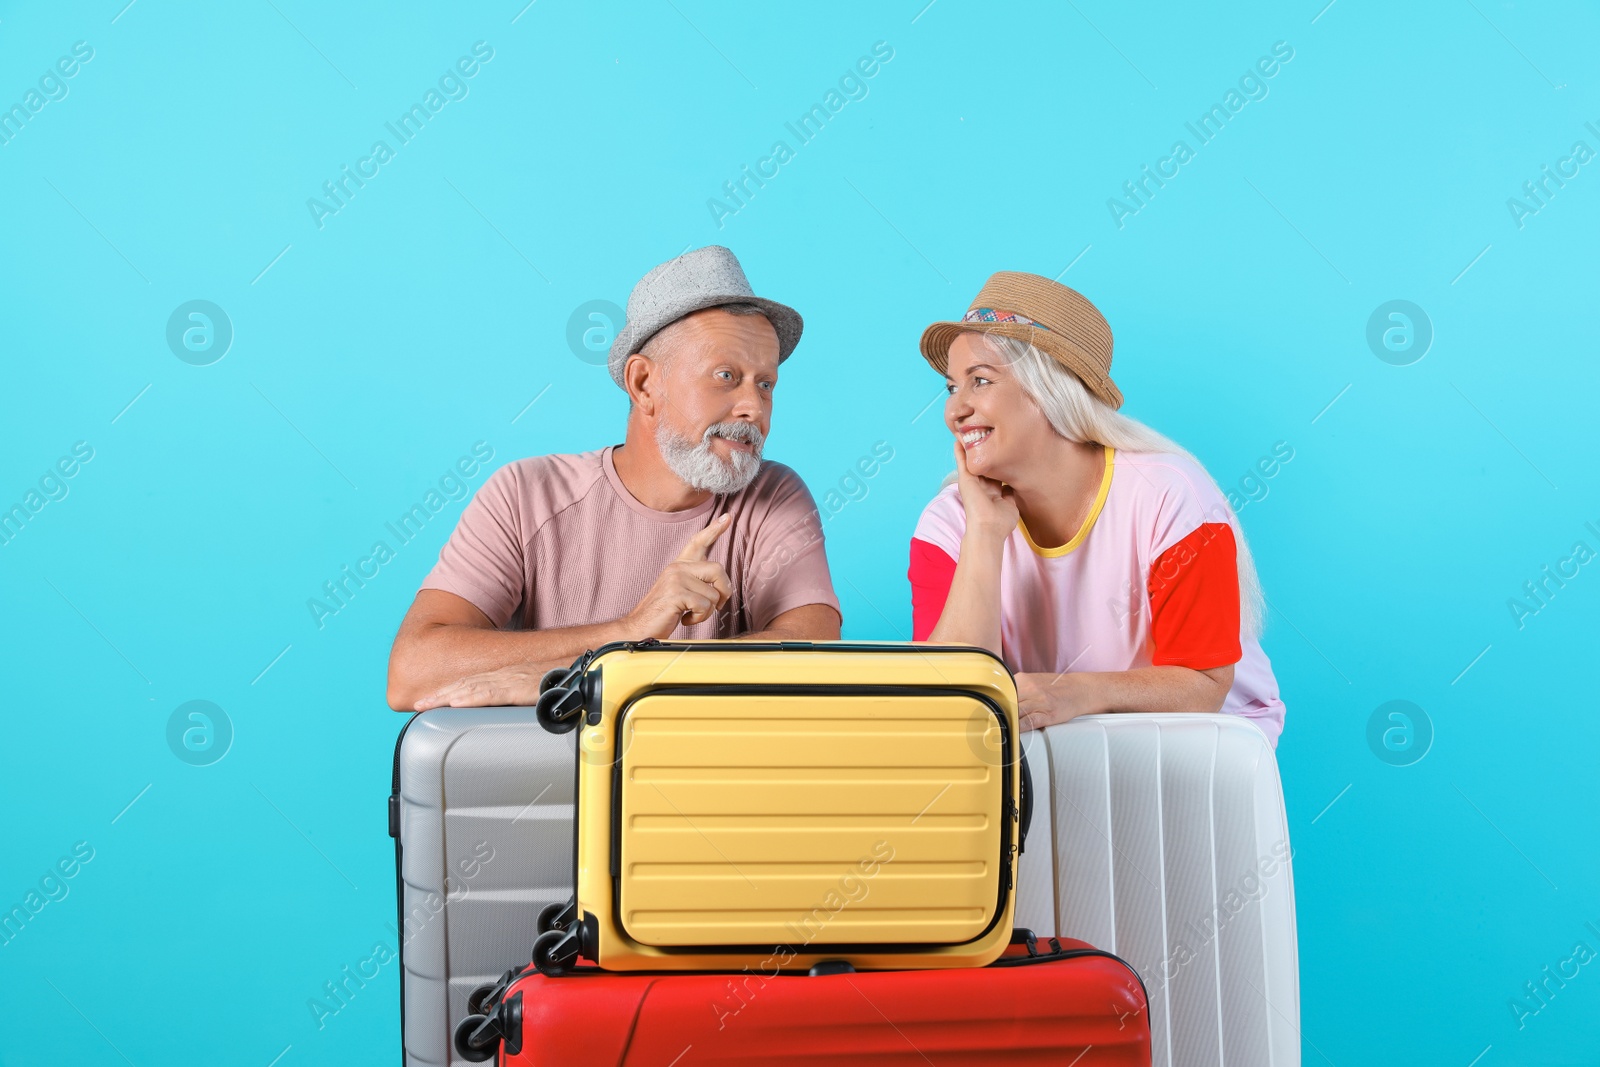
<point x="981" y="381"/>
<point x="950" y="388"/>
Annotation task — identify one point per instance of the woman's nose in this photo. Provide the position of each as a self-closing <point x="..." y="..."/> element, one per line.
<point x="956" y="408"/>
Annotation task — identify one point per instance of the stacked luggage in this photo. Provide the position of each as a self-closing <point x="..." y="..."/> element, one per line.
<point x="784" y="851"/>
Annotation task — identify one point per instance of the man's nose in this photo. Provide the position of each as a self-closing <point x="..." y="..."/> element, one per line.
<point x="750" y="402"/>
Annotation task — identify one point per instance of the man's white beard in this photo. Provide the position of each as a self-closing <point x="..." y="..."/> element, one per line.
<point x="702" y="469"/>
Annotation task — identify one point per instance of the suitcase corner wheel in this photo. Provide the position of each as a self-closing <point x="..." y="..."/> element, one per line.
<point x="478" y="1037"/>
<point x="556" y="951"/>
<point x="557" y="916"/>
<point x="560" y="699"/>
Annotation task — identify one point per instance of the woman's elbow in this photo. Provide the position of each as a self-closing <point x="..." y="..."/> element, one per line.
<point x="1219" y="680"/>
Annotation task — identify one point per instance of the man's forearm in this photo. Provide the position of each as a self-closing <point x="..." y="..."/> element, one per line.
<point x="440" y="662"/>
<point x="437" y="654"/>
<point x="811" y="622"/>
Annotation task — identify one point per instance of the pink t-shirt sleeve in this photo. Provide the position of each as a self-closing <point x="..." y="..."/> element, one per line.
<point x="483" y="561"/>
<point x="788" y="564"/>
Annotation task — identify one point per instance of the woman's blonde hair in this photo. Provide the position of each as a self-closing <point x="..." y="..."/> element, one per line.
<point x="1080" y="416"/>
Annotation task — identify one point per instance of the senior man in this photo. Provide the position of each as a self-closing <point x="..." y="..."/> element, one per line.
<point x="681" y="531"/>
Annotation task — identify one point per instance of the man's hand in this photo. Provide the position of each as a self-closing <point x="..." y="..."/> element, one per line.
<point x="690" y="590"/>
<point x="448" y="634"/>
<point x="515" y="686"/>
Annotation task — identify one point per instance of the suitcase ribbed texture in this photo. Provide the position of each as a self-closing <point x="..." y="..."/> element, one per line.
<point x="1171" y="849"/>
<point x="767" y="820"/>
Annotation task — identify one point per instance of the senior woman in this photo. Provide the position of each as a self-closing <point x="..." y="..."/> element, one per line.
<point x="1097" y="557"/>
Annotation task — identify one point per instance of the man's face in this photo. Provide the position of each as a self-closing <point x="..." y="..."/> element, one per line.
<point x="716" y="379"/>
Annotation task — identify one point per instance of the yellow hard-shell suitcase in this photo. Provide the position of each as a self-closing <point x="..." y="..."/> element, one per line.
<point x="782" y="805"/>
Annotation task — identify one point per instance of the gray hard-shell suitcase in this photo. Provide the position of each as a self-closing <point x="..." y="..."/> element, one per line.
<point x="481" y="814"/>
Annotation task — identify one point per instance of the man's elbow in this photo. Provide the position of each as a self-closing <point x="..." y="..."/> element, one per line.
<point x="815" y="622"/>
<point x="401" y="694"/>
<point x="404" y="685"/>
<point x="829" y="628"/>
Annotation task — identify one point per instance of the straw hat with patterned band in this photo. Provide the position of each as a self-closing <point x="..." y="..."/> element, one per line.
<point x="1058" y="321"/>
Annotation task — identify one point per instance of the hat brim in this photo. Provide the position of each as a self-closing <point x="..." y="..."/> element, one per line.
<point x="785" y="320"/>
<point x="937" y="338"/>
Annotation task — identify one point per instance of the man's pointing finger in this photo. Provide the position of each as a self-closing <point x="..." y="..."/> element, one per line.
<point x="700" y="544"/>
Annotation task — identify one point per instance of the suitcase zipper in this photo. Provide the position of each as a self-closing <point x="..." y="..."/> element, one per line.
<point x="399" y="886"/>
<point x="1023" y="936"/>
<point x="654" y="644"/>
<point x="585" y="662"/>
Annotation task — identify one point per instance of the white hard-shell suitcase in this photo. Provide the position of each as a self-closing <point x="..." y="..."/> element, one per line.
<point x="1172" y="850"/>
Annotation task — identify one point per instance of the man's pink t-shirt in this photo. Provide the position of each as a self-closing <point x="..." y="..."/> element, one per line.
<point x="553" y="541"/>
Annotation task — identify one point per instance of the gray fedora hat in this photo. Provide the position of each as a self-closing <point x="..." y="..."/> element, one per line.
<point x="705" y="278"/>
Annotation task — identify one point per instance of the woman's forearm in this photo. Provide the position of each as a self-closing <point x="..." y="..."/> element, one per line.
<point x="971" y="613"/>
<point x="1177" y="689"/>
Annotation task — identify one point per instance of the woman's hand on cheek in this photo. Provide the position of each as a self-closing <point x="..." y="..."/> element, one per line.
<point x="991" y="508"/>
<point x="1048" y="699"/>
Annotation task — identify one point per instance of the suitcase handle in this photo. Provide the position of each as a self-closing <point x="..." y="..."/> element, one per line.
<point x="1026" y="815"/>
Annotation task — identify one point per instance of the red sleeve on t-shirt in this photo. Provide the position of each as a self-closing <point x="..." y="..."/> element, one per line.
<point x="1194" y="600"/>
<point x="932" y="571"/>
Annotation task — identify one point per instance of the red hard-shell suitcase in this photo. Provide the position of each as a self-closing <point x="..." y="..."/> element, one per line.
<point x="1075" y="1005"/>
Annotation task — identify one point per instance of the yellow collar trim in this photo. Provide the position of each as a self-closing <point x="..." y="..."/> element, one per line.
<point x="1088" y="522"/>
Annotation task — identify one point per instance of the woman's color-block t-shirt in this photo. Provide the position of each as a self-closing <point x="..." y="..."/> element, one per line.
<point x="1150" y="579"/>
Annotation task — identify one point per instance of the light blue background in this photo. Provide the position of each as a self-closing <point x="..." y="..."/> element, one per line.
<point x="369" y="354"/>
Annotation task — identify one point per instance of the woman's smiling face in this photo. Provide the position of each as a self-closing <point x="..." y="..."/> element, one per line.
<point x="996" y="421"/>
